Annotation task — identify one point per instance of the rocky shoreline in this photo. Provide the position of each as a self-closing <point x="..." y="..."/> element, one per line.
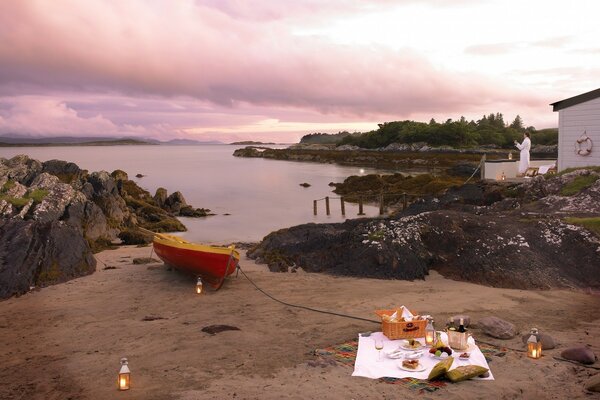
<point x="414" y="156"/>
<point x="54" y="216"/>
<point x="524" y="236"/>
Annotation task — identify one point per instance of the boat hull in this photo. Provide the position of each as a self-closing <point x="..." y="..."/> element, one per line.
<point x="213" y="264"/>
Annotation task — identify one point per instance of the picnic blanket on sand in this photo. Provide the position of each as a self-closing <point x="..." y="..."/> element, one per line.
<point x="345" y="354"/>
<point x="368" y="366"/>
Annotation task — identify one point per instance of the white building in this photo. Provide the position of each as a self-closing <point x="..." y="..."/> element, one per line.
<point x="578" y="130"/>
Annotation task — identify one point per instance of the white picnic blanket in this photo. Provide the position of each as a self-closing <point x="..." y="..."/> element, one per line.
<point x="366" y="363"/>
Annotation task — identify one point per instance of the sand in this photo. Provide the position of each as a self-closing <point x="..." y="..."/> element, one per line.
<point x="65" y="341"/>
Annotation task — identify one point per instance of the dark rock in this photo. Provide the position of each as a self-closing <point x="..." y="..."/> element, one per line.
<point x="548" y="342"/>
<point x="102" y="183"/>
<point x="305" y="184"/>
<point x="160" y="197"/>
<point x="175" y="202"/>
<point x="593" y="384"/>
<point x="119" y="175"/>
<point x="214" y="329"/>
<point x="21" y="169"/>
<point x="189" y="211"/>
<point x="67" y="172"/>
<point x="152" y="318"/>
<point x="581" y="354"/>
<point x="134" y="236"/>
<point x="39" y="254"/>
<point x="497" y="328"/>
<point x="139" y="176"/>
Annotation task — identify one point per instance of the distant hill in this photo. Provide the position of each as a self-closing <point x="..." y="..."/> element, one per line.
<point x="69" y="141"/>
<point x="13" y="141"/>
<point x="187" y="142"/>
<point x="250" y="142"/>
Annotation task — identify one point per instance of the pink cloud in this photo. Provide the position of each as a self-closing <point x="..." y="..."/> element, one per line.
<point x="203" y="53"/>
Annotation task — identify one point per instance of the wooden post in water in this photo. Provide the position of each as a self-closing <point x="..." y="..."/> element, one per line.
<point x="315" y="207"/>
<point x="404" y="202"/>
<point x="381" y="204"/>
<point x="360" y="206"/>
<point x="327" y="205"/>
<point x="482" y="167"/>
<point x="343" y="206"/>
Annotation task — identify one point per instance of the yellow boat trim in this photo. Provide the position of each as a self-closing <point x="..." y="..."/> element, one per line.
<point x="180" y="243"/>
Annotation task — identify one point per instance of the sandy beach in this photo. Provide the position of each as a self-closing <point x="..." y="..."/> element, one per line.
<point x="65" y="341"/>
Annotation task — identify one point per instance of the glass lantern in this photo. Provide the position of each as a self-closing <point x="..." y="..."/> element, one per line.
<point x="534" y="346"/>
<point x="429" y="333"/>
<point x="199" y="285"/>
<point x="124" y="375"/>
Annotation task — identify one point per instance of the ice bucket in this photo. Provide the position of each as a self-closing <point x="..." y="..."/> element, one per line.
<point x="458" y="340"/>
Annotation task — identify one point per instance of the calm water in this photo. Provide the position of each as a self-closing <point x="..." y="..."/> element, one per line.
<point x="260" y="195"/>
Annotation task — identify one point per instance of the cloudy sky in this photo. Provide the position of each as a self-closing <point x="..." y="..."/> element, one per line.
<point x="276" y="70"/>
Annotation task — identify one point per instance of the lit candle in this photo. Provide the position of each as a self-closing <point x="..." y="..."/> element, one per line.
<point x="199" y="286"/>
<point x="124" y="375"/>
<point x="429" y="333"/>
<point x="534" y="346"/>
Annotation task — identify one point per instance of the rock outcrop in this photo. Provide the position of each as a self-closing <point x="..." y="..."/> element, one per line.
<point x="503" y="235"/>
<point x="54" y="215"/>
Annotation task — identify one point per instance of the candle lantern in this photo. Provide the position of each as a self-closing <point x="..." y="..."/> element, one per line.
<point x="534" y="345"/>
<point x="502" y="177"/>
<point x="199" y="285"/>
<point x="429" y="333"/>
<point x="124" y="375"/>
<point x="510" y="155"/>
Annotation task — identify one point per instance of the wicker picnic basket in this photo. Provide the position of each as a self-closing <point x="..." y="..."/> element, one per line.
<point x="401" y="329"/>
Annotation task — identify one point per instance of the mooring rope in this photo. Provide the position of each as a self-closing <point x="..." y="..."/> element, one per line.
<point x="301" y="306"/>
<point x="474" y="172"/>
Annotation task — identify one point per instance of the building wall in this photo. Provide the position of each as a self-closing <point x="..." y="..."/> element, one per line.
<point x="572" y="122"/>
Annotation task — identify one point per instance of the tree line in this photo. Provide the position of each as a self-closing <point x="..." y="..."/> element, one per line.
<point x="490" y="130"/>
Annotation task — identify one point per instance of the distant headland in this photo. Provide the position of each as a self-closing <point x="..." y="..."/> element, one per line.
<point x="16" y="141"/>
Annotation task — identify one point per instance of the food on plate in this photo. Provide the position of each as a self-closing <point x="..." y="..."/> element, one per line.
<point x="410" y="364"/>
<point x="465" y="355"/>
<point x="413" y="344"/>
<point x="439" y="351"/>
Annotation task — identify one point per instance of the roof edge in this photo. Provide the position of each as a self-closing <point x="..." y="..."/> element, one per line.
<point x="571" y="101"/>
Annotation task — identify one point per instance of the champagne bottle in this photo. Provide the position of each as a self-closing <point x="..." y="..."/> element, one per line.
<point x="461" y="326"/>
<point x="451" y="324"/>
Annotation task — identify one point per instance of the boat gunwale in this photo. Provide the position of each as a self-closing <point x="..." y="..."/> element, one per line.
<point x="166" y="240"/>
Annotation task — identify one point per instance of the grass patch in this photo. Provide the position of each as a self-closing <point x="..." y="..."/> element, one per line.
<point x="36" y="195"/>
<point x="591" y="168"/>
<point x="591" y="224"/>
<point x="9" y="184"/>
<point x="376" y="236"/>
<point x="578" y="184"/>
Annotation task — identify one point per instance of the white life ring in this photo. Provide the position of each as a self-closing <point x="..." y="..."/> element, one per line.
<point x="583" y="145"/>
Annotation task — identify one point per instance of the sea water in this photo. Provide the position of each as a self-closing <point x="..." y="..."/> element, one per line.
<point x="251" y="197"/>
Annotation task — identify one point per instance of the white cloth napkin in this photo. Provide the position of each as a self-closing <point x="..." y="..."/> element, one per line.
<point x="366" y="363"/>
<point x="407" y="315"/>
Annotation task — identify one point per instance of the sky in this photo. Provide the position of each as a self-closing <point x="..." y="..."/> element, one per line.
<point x="276" y="70"/>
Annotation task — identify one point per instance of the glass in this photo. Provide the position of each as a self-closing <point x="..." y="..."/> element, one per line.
<point x="378" y="346"/>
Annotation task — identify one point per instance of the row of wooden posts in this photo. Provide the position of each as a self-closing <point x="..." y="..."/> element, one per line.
<point x="360" y="204"/>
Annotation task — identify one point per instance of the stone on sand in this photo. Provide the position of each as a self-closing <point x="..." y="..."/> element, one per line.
<point x="497" y="328"/>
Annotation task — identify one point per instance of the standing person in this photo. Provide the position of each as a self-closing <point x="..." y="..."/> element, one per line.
<point x="525" y="146"/>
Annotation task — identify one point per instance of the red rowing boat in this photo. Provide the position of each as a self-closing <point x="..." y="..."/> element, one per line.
<point x="210" y="263"/>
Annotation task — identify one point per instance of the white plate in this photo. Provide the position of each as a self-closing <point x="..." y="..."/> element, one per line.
<point x="419" y="368"/>
<point x="394" y="354"/>
<point x="405" y="346"/>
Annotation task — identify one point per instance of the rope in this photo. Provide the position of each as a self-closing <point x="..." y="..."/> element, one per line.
<point x="474" y="172"/>
<point x="300" y="306"/>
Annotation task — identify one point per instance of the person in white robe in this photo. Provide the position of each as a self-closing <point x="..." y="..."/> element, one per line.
<point x="525" y="146"/>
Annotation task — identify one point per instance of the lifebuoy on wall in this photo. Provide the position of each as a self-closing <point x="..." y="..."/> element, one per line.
<point x="584" y="145"/>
